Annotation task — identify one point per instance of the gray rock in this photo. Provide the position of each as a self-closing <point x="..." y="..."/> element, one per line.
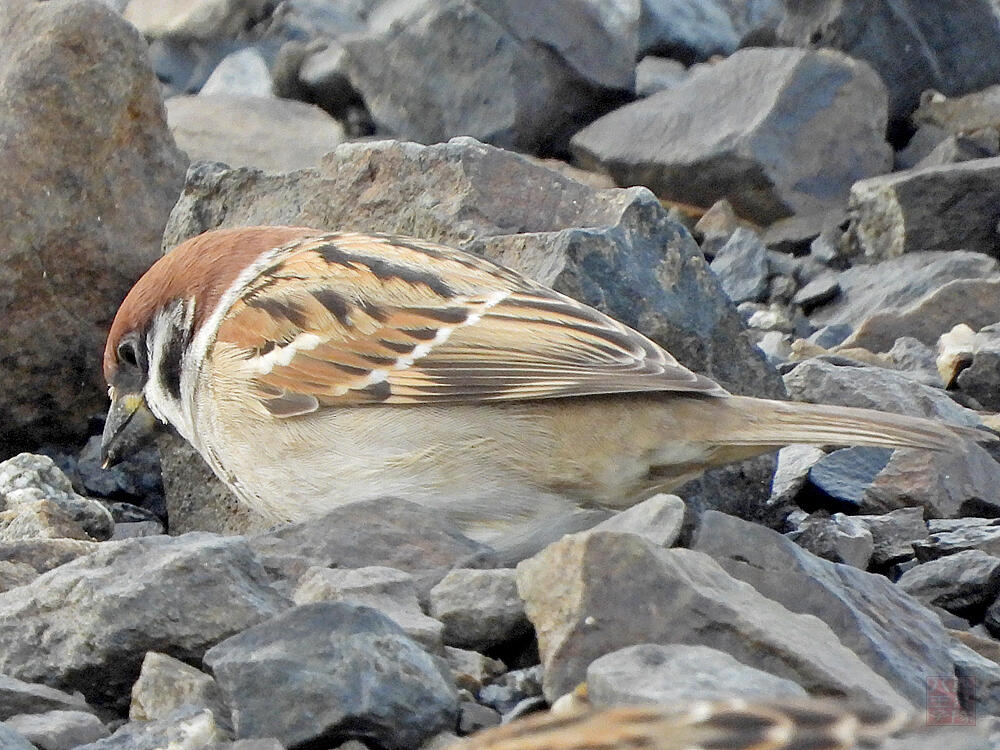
<point x="387" y="531"/>
<point x="981" y="677"/>
<point x="981" y="379"/>
<point x="474" y="716"/>
<point x="845" y="475"/>
<point x="44" y="554"/>
<point x="19" y="697"/>
<point x="27" y="479"/>
<point x="822" y="382"/>
<point x="516" y="75"/>
<point x="470" y="669"/>
<point x="479" y="608"/>
<point x="830" y="336"/>
<point x="817" y="292"/>
<point x="926" y="209"/>
<point x="948" y="536"/>
<point x="894" y="534"/>
<point x="203" y="128"/>
<point x="924" y="36"/>
<point x="196" y="499"/>
<point x="11" y="740"/>
<point x="837" y="538"/>
<point x="58" y="730"/>
<point x="241" y="73"/>
<point x="91" y="175"/>
<point x="893" y="285"/>
<point x="716" y="226"/>
<point x="591" y="594"/>
<point x="958" y="114"/>
<point x="513" y="689"/>
<point x="660" y="519"/>
<point x="958" y="148"/>
<point x="332" y="670"/>
<point x="706" y="139"/>
<point x="916" y="360"/>
<point x="654" y="74"/>
<point x="947" y="484"/>
<point x="188" y="727"/>
<point x="964" y="583"/>
<point x="135" y="529"/>
<point x="651" y="673"/>
<point x="87" y="624"/>
<point x="197" y="19"/>
<point x="166" y="684"/>
<point x="742" y="267"/>
<point x="392" y="592"/>
<point x="892" y="633"/>
<point x="794" y="464"/>
<point x="687" y="29"/>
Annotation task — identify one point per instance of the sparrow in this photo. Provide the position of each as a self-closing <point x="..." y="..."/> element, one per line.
<point x="314" y="368"/>
<point x="724" y="725"/>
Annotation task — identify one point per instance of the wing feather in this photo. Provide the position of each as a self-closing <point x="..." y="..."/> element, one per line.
<point x="347" y="319"/>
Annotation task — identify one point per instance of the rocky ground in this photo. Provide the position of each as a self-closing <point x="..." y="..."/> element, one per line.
<point x="760" y="186"/>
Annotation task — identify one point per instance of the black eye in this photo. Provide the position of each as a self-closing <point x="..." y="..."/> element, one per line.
<point x="127" y="353"/>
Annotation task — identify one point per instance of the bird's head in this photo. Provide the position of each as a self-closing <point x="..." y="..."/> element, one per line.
<point x="163" y="328"/>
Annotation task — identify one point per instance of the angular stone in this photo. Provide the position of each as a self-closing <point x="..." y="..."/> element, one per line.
<point x="591" y="594"/>
<point x="742" y="267"/>
<point x="964" y="583"/>
<point x="845" y="475"/>
<point x="706" y="139"/>
<point x="660" y="519"/>
<point x="58" y="730"/>
<point x="892" y="633"/>
<point x="188" y="727"/>
<point x="923" y="35"/>
<point x="894" y="534"/>
<point x="948" y="536"/>
<point x="165" y="684"/>
<point x="19" y="697"/>
<point x="332" y="669"/>
<point x="479" y="608"/>
<point x="794" y="464"/>
<point x="424" y="75"/>
<point x="194" y="19"/>
<point x="983" y="675"/>
<point x="392" y="592"/>
<point x="687" y="30"/>
<point x="926" y="209"/>
<point x="11" y="740"/>
<point x="894" y="285"/>
<point x="654" y="74"/>
<point x="837" y="538"/>
<point x="87" y="624"/>
<point x="970" y="301"/>
<point x="959" y="114"/>
<point x="822" y="382"/>
<point x="242" y="73"/>
<point x="27" y="478"/>
<point x="650" y="673"/>
<point x="389" y="532"/>
<point x="203" y="128"/>
<point x="45" y="554"/>
<point x="41" y="519"/>
<point x="90" y="173"/>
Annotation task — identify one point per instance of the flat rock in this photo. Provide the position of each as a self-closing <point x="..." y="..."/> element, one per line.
<point x="91" y="175"/>
<point x="671" y="674"/>
<point x="896" y="284"/>
<point x="332" y="670"/>
<point x="188" y="727"/>
<point x="964" y="583"/>
<point x="742" y="267"/>
<point x="892" y="633"/>
<point x="948" y="536"/>
<point x="86" y="624"/>
<point x="392" y="592"/>
<point x="924" y="36"/>
<point x="203" y="128"/>
<point x="837" y="538"/>
<point x="660" y="519"/>
<point x="845" y="475"/>
<point x="894" y="534"/>
<point x="58" y="730"/>
<point x="165" y="684"/>
<point x="20" y="697"/>
<point x="479" y="608"/>
<point x="387" y="532"/>
<point x="594" y="593"/>
<point x="706" y="139"/>
<point x="926" y="209"/>
<point x="517" y="75"/>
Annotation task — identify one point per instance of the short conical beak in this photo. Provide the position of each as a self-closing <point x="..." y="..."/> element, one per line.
<point x="129" y="426"/>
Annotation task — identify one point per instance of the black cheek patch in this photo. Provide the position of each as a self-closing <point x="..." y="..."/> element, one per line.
<point x="170" y="363"/>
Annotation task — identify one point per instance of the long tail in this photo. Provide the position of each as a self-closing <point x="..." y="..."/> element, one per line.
<point x="763" y="422"/>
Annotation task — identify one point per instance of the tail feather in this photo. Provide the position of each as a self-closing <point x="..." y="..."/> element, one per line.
<point x="777" y="423"/>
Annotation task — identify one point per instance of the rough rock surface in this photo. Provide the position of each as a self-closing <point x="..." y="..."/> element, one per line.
<point x="91" y="175"/>
<point x="717" y="134"/>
